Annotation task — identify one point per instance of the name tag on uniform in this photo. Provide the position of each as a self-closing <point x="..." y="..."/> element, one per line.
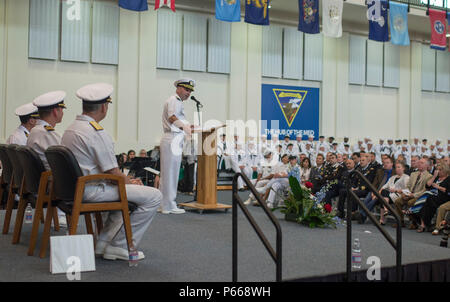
<point x="49" y="128"/>
<point x="96" y="126"/>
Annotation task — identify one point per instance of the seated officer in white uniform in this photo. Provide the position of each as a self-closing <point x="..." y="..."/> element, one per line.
<point x="94" y="150"/>
<point x="50" y="107"/>
<point x="28" y="115"/>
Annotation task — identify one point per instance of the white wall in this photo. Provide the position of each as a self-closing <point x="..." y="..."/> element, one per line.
<point x="141" y="89"/>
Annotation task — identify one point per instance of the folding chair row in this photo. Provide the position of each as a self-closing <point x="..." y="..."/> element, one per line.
<point x="62" y="187"/>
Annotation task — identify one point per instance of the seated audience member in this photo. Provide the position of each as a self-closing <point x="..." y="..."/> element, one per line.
<point x="440" y="182"/>
<point x="239" y="164"/>
<point x="265" y="174"/>
<point x="317" y="173"/>
<point x="356" y="157"/>
<point x="280" y="183"/>
<point x="402" y="159"/>
<point x="393" y="188"/>
<point x="131" y="154"/>
<point x="360" y="188"/>
<point x="442" y="210"/>
<point x="305" y="170"/>
<point x="414" y="162"/>
<point x="382" y="176"/>
<point x="415" y="188"/>
<point x="142" y="153"/>
<point x="347" y="178"/>
<point x="28" y="115"/>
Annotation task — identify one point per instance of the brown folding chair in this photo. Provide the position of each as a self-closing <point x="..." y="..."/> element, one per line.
<point x="7" y="154"/>
<point x="37" y="183"/>
<point x="68" y="190"/>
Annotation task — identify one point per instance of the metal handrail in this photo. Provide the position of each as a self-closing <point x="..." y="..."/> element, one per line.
<point x="397" y="244"/>
<point x="276" y="255"/>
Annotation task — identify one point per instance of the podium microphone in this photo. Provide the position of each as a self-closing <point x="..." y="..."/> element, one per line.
<point x="198" y="103"/>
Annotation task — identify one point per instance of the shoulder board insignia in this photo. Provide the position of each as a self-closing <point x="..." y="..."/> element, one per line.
<point x="363" y="188"/>
<point x="96" y="126"/>
<point x="49" y="128"/>
<point x="26" y="134"/>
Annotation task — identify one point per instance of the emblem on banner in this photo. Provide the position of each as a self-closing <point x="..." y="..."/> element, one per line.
<point x="290" y="102"/>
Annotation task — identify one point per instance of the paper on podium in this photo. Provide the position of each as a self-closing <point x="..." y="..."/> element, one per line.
<point x="198" y="129"/>
<point x="156" y="172"/>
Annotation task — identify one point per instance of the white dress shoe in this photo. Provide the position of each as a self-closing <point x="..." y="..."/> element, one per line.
<point x="114" y="253"/>
<point x="100" y="247"/>
<point x="173" y="211"/>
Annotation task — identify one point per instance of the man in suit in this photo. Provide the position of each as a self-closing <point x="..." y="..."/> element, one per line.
<point x="317" y="173"/>
<point x="415" y="187"/>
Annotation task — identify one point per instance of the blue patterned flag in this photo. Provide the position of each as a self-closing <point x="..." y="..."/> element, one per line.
<point x="228" y="10"/>
<point x="308" y="21"/>
<point x="136" y="5"/>
<point x="257" y="12"/>
<point x="377" y="16"/>
<point x="398" y="17"/>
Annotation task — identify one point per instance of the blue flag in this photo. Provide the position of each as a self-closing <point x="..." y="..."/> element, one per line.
<point x="136" y="5"/>
<point x="228" y="10"/>
<point x="257" y="12"/>
<point x="398" y="17"/>
<point x="378" y="25"/>
<point x="308" y="21"/>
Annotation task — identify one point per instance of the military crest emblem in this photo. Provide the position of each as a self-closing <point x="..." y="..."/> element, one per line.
<point x="310" y="11"/>
<point x="290" y="102"/>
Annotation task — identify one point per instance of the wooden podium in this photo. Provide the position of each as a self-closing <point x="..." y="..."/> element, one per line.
<point x="206" y="173"/>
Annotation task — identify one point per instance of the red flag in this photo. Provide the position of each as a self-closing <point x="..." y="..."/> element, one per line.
<point x="438" y="29"/>
<point x="158" y="4"/>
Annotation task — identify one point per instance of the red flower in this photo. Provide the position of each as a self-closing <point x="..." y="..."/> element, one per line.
<point x="308" y="184"/>
<point x="327" y="207"/>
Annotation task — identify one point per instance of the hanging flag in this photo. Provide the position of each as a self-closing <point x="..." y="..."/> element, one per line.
<point x="398" y="17"/>
<point x="257" y="12"/>
<point x="377" y="16"/>
<point x="308" y="21"/>
<point x="136" y="5"/>
<point x="438" y="29"/>
<point x="228" y="10"/>
<point x="159" y="3"/>
<point x="332" y="18"/>
<point x="448" y="21"/>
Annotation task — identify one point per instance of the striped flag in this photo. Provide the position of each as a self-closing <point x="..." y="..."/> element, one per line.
<point x="136" y="5"/>
<point x="438" y="29"/>
<point x="159" y="3"/>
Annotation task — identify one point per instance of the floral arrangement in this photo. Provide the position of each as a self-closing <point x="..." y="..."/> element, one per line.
<point x="304" y="208"/>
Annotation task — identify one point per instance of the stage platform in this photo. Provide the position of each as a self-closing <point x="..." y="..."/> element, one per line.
<point x="195" y="247"/>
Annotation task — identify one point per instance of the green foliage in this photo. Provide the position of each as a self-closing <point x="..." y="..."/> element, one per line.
<point x="303" y="205"/>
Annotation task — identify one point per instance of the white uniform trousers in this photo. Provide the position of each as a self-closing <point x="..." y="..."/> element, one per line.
<point x="147" y="200"/>
<point x="171" y="152"/>
<point x="277" y="188"/>
<point x="260" y="187"/>
<point x="247" y="171"/>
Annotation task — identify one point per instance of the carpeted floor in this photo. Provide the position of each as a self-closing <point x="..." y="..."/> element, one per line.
<point x="197" y="247"/>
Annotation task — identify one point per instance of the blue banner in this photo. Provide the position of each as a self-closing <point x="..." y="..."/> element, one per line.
<point x="289" y="110"/>
<point x="257" y="12"/>
<point x="136" y="5"/>
<point x="398" y="17"/>
<point x="308" y="21"/>
<point x="378" y="20"/>
<point x="228" y="10"/>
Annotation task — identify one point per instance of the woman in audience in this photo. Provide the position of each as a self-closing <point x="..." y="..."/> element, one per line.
<point x="305" y="170"/>
<point x="142" y="153"/>
<point x="393" y="188"/>
<point x="440" y="184"/>
<point x="442" y="210"/>
<point x="131" y="154"/>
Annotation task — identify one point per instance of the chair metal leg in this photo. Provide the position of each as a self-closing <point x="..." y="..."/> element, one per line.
<point x="9" y="208"/>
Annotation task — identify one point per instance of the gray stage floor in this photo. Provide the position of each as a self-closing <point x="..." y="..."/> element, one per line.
<point x="197" y="248"/>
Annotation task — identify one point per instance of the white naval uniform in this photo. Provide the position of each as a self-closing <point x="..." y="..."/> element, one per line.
<point x="41" y="137"/>
<point x="171" y="149"/>
<point x="19" y="136"/>
<point x="239" y="158"/>
<point x="222" y="148"/>
<point x="94" y="150"/>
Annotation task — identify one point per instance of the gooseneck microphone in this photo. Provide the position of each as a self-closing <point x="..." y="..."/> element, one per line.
<point x="197" y="101"/>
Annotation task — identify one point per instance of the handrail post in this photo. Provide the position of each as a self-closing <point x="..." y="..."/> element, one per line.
<point x="235" y="231"/>
<point x="349" y="229"/>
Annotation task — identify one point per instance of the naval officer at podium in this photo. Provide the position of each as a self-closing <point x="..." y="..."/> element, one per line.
<point x="175" y="127"/>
